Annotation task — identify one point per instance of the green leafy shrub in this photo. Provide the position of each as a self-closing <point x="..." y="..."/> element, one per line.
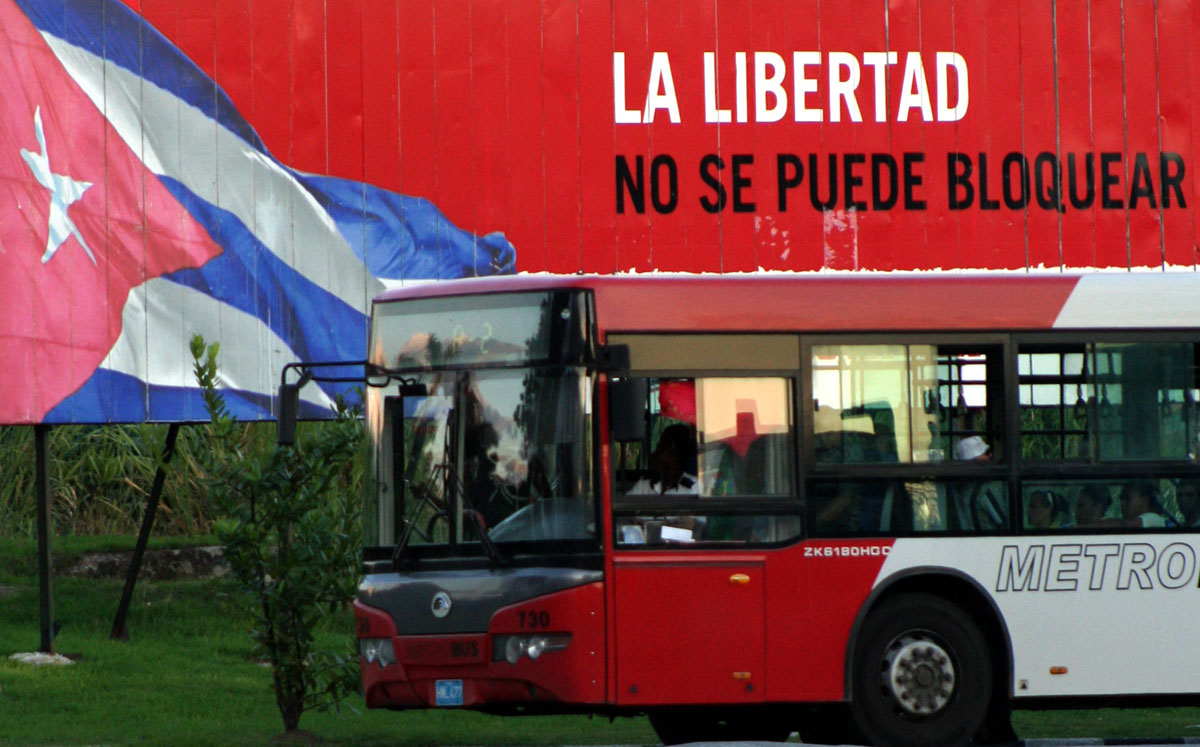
<point x="291" y="527"/>
<point x="100" y="476"/>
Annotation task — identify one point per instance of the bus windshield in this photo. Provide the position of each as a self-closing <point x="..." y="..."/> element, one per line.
<point x="499" y="455"/>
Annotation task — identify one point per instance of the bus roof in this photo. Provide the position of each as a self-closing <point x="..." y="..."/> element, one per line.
<point x="862" y="302"/>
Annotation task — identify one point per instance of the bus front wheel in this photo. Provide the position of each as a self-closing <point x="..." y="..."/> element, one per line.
<point x="921" y="673"/>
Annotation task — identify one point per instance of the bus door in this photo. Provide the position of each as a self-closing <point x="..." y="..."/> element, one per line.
<point x="703" y="476"/>
<point x="690" y="629"/>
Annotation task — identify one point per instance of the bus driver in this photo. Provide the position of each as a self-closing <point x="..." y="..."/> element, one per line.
<point x="674" y="455"/>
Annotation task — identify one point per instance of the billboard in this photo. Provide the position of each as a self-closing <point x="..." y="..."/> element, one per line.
<point x="256" y="170"/>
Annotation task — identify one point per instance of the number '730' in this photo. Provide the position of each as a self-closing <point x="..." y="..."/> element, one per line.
<point x="534" y="619"/>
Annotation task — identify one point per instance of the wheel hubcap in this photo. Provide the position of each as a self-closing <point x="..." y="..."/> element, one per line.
<point x="917" y="676"/>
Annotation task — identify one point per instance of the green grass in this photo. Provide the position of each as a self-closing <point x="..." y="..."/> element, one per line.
<point x="1109" y="723"/>
<point x="188" y="676"/>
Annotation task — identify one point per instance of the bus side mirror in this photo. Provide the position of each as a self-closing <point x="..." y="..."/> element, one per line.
<point x="613" y="359"/>
<point x="627" y="407"/>
<point x="289" y="407"/>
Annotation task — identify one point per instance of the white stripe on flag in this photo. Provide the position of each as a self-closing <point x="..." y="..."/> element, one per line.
<point x="177" y="140"/>
<point x="187" y="312"/>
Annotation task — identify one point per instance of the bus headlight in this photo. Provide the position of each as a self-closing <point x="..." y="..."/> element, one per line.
<point x="377" y="651"/>
<point x="511" y="648"/>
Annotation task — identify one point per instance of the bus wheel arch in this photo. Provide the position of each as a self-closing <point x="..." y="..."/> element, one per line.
<point x="960" y="594"/>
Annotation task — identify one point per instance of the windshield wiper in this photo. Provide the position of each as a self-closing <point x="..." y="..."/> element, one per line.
<point x="411" y="523"/>
<point x="489" y="546"/>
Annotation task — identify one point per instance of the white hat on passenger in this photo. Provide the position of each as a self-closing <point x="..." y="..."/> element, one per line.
<point x="970" y="448"/>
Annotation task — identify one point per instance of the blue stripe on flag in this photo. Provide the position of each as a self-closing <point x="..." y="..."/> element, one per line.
<point x="111" y="30"/>
<point x="113" y="397"/>
<point x="402" y="237"/>
<point x="315" y="324"/>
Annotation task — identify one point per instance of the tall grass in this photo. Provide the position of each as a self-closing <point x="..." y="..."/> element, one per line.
<point x="101" y="475"/>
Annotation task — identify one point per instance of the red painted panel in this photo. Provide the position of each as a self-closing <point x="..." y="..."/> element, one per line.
<point x="344" y="66"/>
<point x="452" y="115"/>
<point x="812" y="603"/>
<point x="805" y="236"/>
<point x="837" y="302"/>
<point x="271" y="115"/>
<point x="973" y="240"/>
<point x="380" y="92"/>
<point x="572" y="675"/>
<point x="560" y="55"/>
<point x="1072" y="25"/>
<point x="1142" y="136"/>
<point x="703" y="646"/>
<point x="633" y="144"/>
<point x="1108" y="129"/>
<point x="596" y="129"/>
<point x="1175" y="37"/>
<point x="526" y="137"/>
<point x="1012" y="110"/>
<point x="666" y="31"/>
<point x="309" y="64"/>
<point x="1193" y="27"/>
<point x="874" y="227"/>
<point x="1003" y="233"/>
<point x="908" y="140"/>
<point x="938" y="25"/>
<point x="490" y="156"/>
<point x="418" y="125"/>
<point x="197" y="33"/>
<point x="233" y="51"/>
<point x="502" y="114"/>
<point x="701" y="229"/>
<point x="164" y="16"/>
<point x="736" y="33"/>
<point x="1040" y="136"/>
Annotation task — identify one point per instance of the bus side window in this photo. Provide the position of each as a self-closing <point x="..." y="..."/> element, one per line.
<point x="981" y="505"/>
<point x="908" y="404"/>
<point x="727" y="439"/>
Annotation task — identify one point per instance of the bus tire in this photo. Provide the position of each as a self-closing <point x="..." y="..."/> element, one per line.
<point x="921" y="674"/>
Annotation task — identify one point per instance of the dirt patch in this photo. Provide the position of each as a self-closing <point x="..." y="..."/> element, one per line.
<point x="157" y="565"/>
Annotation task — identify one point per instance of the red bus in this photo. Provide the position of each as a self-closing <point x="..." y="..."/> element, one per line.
<point x="888" y="506"/>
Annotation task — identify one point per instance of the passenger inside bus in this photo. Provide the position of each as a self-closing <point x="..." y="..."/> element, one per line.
<point x="1045" y="510"/>
<point x="728" y="442"/>
<point x="1188" y="496"/>
<point x="672" y="472"/>
<point x="1140" y="506"/>
<point x="672" y="465"/>
<point x="972" y="449"/>
<point x="1092" y="504"/>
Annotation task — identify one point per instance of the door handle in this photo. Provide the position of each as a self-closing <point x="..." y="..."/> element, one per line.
<point x="739" y="579"/>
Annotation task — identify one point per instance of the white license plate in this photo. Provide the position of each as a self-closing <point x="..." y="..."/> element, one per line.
<point x="449" y="692"/>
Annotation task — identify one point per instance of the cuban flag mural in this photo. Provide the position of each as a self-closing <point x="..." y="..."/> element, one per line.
<point x="138" y="208"/>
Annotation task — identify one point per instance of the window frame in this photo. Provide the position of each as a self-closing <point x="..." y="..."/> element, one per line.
<point x="1093" y="464"/>
<point x="1008" y="467"/>
<point x="623" y="505"/>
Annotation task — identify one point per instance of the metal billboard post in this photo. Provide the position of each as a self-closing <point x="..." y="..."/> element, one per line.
<point x="119" y="631"/>
<point x="45" y="568"/>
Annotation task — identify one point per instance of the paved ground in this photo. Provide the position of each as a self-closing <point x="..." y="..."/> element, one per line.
<point x="1021" y="743"/>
